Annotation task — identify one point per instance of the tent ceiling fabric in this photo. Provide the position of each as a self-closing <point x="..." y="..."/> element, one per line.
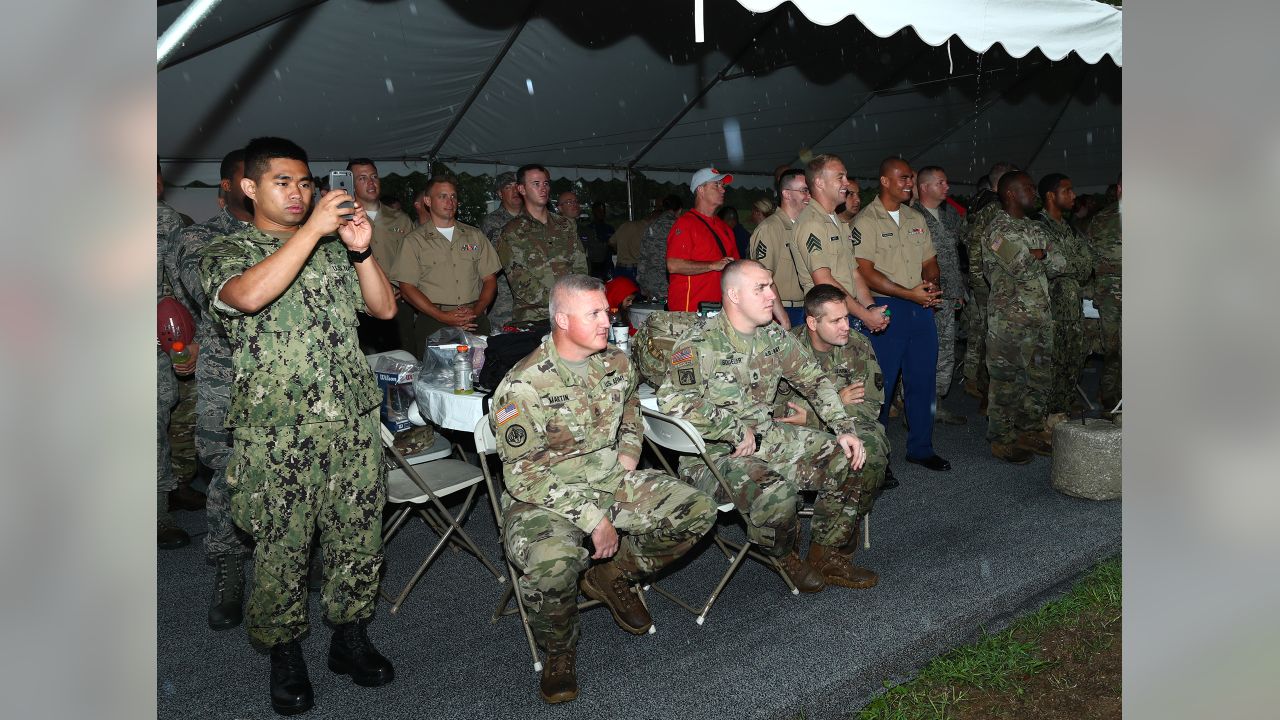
<point x="1057" y="27"/>
<point x="591" y="86"/>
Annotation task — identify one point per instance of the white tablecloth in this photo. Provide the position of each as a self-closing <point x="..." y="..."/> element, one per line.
<point x="447" y="409"/>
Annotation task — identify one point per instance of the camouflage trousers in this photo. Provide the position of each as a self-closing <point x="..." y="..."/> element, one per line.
<point x="285" y="483"/>
<point x="787" y="459"/>
<point x="166" y="398"/>
<point x="658" y="519"/>
<point x="975" y="349"/>
<point x="945" y="320"/>
<point x="503" y="305"/>
<point x="870" y="476"/>
<point x="1069" y="353"/>
<point x="213" y="447"/>
<point x="1108" y="300"/>
<point x="1019" y="361"/>
<point x="182" y="431"/>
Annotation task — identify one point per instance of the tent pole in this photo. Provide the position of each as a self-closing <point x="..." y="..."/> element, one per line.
<point x="631" y="212"/>
<point x="172" y="38"/>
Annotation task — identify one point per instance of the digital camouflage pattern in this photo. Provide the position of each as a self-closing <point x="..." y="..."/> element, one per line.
<point x="500" y="312"/>
<point x="182" y="431"/>
<point x="947" y="232"/>
<point x="856" y="360"/>
<point x="559" y="436"/>
<point x="723" y="384"/>
<point x="534" y="255"/>
<point x="287" y="481"/>
<point x="168" y="223"/>
<point x="1105" y="249"/>
<point x="975" y="351"/>
<point x="651" y="273"/>
<point x="1019" y="326"/>
<point x="1066" y="305"/>
<point x="214" y="376"/>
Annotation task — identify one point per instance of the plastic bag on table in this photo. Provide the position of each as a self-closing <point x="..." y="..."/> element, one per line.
<point x="442" y="347"/>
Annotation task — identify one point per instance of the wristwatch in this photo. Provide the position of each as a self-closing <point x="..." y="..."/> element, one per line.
<point x="359" y="257"/>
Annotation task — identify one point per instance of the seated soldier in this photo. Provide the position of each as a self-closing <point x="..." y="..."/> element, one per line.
<point x="568" y="429"/>
<point x="850" y="362"/>
<point x="723" y="379"/>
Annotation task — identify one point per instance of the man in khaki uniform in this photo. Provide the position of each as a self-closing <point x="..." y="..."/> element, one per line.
<point x="447" y="270"/>
<point x="822" y="249"/>
<point x="390" y="226"/>
<point x="896" y="257"/>
<point x="771" y="247"/>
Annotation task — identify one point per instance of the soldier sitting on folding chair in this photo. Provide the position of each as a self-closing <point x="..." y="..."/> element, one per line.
<point x="723" y="379"/>
<point x="567" y="423"/>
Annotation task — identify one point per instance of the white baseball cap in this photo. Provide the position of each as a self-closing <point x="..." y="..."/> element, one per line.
<point x="706" y="175"/>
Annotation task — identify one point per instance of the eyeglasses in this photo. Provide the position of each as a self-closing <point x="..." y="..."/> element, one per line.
<point x="802" y="189"/>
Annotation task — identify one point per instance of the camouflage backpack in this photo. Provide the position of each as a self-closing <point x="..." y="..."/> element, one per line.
<point x="652" y="344"/>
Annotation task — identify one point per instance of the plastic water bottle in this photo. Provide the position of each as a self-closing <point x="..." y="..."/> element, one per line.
<point x="619" y="332"/>
<point x="179" y="353"/>
<point x="462" y="371"/>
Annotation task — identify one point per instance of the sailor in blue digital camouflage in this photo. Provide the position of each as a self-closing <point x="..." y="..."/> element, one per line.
<point x="723" y="379"/>
<point x="537" y="247"/>
<point x="1105" y="249"/>
<point x="224" y="545"/>
<point x="511" y="202"/>
<point x="984" y="207"/>
<point x="946" y="227"/>
<point x="567" y="423"/>
<point x="303" y="413"/>
<point x="1017" y="259"/>
<point x="1066" y="291"/>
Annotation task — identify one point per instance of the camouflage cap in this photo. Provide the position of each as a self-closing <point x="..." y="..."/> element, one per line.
<point x="503" y="180"/>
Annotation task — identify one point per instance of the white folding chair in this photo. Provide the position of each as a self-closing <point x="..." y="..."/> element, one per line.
<point x="672" y="433"/>
<point x="417" y="488"/>
<point x="487" y="445"/>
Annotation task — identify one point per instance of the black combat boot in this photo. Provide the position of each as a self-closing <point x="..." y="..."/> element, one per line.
<point x="290" y="686"/>
<point x="226" y="608"/>
<point x="352" y="654"/>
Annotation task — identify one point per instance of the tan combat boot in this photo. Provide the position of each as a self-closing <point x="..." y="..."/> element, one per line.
<point x="559" y="678"/>
<point x="604" y="582"/>
<point x="806" y="579"/>
<point x="1040" y="443"/>
<point x="837" y="568"/>
<point x="1012" y="453"/>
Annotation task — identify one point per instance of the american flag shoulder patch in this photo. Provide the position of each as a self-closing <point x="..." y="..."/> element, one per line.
<point x="506" y="413"/>
<point x="682" y="356"/>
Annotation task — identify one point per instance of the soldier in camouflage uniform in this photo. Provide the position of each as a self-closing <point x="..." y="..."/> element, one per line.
<point x="303" y="413"/>
<point x="508" y="191"/>
<point x="168" y="534"/>
<point x="1017" y="260"/>
<point x="1105" y="249"/>
<point x="723" y="379"/>
<point x="946" y="227"/>
<point x="537" y="247"/>
<point x="568" y="429"/>
<point x="651" y="273"/>
<point x="224" y="545"/>
<point x="1066" y="296"/>
<point x="850" y="361"/>
<point x="982" y="210"/>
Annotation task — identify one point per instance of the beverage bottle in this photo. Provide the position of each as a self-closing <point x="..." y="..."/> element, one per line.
<point x="462" y="371"/>
<point x="619" y="332"/>
<point x="179" y="353"/>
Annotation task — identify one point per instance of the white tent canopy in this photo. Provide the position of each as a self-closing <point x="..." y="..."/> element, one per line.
<point x="593" y="90"/>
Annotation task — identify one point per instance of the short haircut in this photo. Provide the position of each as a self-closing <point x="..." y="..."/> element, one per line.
<point x="229" y="162"/>
<point x="571" y="284"/>
<point x="889" y="162"/>
<point x="764" y="205"/>
<point x="927" y="172"/>
<point x="1008" y="179"/>
<point x="984" y="183"/>
<point x="570" y="191"/>
<point x="361" y="161"/>
<point x="726" y="212"/>
<point x="817" y="165"/>
<point x="421" y="192"/>
<point x="526" y="168"/>
<point x="820" y="295"/>
<point x="784" y="177"/>
<point x="733" y="271"/>
<point x="439" y="180"/>
<point x="260" y="151"/>
<point x="673" y="203"/>
<point x="1049" y="183"/>
<point x="998" y="170"/>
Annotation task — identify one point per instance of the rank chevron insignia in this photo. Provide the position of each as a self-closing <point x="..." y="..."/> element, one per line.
<point x="813" y="244"/>
<point x="761" y="251"/>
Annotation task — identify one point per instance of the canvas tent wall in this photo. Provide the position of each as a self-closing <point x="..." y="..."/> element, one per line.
<point x="596" y="89"/>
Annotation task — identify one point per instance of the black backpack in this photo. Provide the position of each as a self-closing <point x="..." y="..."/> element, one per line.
<point x="504" y="351"/>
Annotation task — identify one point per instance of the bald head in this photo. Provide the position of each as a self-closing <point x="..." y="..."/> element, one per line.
<point x="748" y="295"/>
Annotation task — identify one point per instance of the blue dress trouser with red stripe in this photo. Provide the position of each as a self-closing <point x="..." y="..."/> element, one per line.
<point x="909" y="346"/>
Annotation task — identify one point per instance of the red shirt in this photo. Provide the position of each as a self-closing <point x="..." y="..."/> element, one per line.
<point x="691" y="239"/>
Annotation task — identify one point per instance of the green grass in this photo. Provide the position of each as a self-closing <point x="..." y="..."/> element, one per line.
<point x="999" y="662"/>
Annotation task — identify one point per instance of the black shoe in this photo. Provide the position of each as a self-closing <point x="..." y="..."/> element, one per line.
<point x="890" y="481"/>
<point x="351" y="653"/>
<point x="933" y="462"/>
<point x="171" y="537"/>
<point x="226" y="607"/>
<point x="290" y="686"/>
